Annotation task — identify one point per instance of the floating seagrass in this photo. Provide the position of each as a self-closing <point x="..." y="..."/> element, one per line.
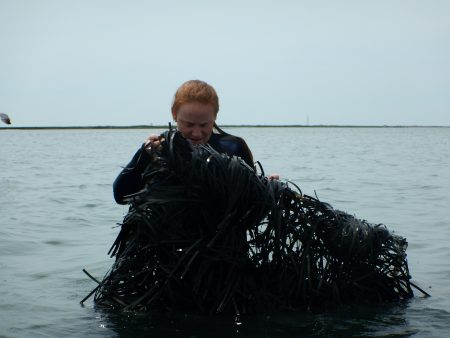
<point x="208" y="234"/>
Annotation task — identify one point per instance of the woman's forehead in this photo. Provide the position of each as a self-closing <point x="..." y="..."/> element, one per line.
<point x="196" y="112"/>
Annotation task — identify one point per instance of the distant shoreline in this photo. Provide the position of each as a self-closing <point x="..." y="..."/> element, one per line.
<point x="222" y="126"/>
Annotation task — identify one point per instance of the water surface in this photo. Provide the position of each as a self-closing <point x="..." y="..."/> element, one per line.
<point x="58" y="217"/>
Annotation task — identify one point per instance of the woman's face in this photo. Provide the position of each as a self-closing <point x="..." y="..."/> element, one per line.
<point x="195" y="121"/>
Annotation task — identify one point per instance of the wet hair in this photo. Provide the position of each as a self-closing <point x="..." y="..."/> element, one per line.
<point x="195" y="91"/>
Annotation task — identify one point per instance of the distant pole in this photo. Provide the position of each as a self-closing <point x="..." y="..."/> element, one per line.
<point x="307" y="120"/>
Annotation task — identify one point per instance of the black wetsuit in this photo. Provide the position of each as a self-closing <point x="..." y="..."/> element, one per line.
<point x="130" y="181"/>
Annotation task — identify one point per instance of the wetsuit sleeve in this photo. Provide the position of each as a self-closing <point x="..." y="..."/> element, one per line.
<point x="246" y="155"/>
<point x="129" y="181"/>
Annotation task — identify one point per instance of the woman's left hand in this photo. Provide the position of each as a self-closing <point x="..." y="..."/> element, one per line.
<point x="273" y="177"/>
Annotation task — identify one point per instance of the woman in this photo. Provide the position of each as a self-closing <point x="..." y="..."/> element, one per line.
<point x="194" y="109"/>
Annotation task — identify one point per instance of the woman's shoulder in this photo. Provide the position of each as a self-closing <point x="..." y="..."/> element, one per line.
<point x="227" y="141"/>
<point x="232" y="145"/>
<point x="227" y="138"/>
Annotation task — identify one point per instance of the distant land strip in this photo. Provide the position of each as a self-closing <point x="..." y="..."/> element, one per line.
<point x="223" y="126"/>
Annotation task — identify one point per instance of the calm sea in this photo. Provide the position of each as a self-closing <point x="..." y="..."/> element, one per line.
<point x="57" y="216"/>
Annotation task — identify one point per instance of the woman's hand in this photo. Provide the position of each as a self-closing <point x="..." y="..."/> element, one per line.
<point x="152" y="142"/>
<point x="273" y="177"/>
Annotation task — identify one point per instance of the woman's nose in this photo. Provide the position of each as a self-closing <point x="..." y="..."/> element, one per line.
<point x="196" y="132"/>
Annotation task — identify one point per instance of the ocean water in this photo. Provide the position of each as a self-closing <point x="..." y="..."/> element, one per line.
<point x="58" y="216"/>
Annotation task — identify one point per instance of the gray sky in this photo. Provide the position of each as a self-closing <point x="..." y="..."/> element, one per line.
<point x="95" y="62"/>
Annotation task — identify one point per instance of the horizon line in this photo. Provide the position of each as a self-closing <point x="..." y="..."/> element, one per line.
<point x="151" y="126"/>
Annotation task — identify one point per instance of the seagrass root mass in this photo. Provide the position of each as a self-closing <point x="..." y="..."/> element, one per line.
<point x="208" y="234"/>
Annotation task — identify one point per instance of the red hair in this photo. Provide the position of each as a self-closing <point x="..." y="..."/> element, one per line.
<point x="195" y="91"/>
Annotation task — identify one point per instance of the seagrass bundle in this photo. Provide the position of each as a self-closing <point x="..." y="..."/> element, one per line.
<point x="208" y="234"/>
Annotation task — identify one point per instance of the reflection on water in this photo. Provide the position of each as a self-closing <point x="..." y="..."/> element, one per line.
<point x="58" y="217"/>
<point x="345" y="321"/>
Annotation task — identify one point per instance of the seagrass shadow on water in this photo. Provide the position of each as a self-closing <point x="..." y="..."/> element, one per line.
<point x="208" y="234"/>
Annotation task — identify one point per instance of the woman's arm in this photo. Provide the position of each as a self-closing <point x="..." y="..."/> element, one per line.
<point x="247" y="155"/>
<point x="129" y="181"/>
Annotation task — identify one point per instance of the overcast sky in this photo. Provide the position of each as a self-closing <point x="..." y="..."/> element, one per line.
<point x="95" y="62"/>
